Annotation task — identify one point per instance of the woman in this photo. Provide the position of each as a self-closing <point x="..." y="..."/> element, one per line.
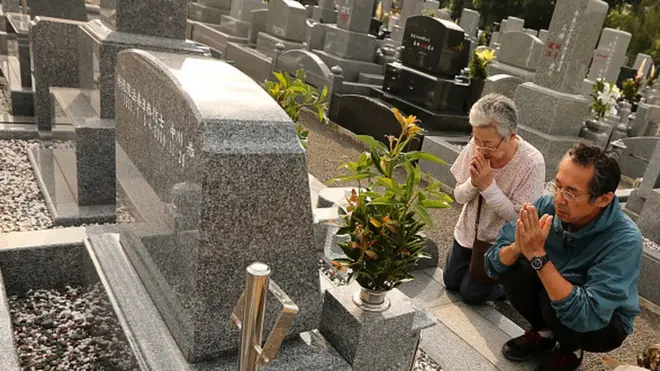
<point x="500" y="168"/>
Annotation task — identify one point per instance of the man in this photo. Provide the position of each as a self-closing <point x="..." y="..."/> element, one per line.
<point x="570" y="264"/>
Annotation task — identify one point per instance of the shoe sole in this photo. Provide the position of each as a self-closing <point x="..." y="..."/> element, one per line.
<point x="527" y="358"/>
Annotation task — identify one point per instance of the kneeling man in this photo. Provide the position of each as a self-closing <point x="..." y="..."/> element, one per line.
<point x="570" y="264"/>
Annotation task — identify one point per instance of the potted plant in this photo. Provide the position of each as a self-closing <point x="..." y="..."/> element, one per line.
<point x="477" y="71"/>
<point x="384" y="218"/>
<point x="605" y="96"/>
<point x="294" y="94"/>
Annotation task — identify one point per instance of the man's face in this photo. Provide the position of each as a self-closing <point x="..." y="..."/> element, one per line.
<point x="572" y="194"/>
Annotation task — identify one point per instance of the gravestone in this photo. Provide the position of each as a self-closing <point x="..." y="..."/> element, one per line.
<point x="551" y="108"/>
<point x="286" y="20"/>
<point x="543" y="35"/>
<point x="409" y="8"/>
<point x="512" y="24"/>
<point x="609" y="55"/>
<point x="502" y="84"/>
<point x="148" y="17"/>
<point x="325" y="12"/>
<point x="355" y="15"/>
<point x="64" y="9"/>
<point x="647" y="61"/>
<point x="470" y="22"/>
<point x="518" y="55"/>
<point x="639" y="197"/>
<point x="574" y="31"/>
<point x="209" y="11"/>
<point x="196" y="175"/>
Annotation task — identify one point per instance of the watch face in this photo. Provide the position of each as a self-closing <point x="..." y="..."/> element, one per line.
<point x="537" y="263"/>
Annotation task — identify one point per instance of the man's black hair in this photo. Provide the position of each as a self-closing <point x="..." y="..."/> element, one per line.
<point x="607" y="173"/>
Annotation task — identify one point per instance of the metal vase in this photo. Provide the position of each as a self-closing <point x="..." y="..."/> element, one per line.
<point x="371" y="301"/>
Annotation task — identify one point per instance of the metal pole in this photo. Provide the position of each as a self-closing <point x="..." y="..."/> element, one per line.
<point x="25" y="7"/>
<point x="254" y="311"/>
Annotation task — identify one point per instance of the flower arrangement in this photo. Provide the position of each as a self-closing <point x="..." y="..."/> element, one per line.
<point x="605" y="96"/>
<point x="479" y="62"/>
<point x="384" y="218"/>
<point x="293" y="95"/>
<point x="630" y="89"/>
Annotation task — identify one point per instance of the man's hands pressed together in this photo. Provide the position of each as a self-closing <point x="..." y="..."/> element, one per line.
<point x="480" y="172"/>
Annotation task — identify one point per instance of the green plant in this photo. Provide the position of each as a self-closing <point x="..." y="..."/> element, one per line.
<point x="293" y="95"/>
<point x="484" y="38"/>
<point x="479" y="62"/>
<point x="428" y="12"/>
<point x="384" y="218"/>
<point x="605" y="96"/>
<point x="630" y="88"/>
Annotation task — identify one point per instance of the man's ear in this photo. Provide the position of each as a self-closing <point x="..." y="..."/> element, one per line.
<point x="604" y="200"/>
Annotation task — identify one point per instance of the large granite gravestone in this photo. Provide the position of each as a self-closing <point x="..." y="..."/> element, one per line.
<point x="194" y="156"/>
<point x="551" y="108"/>
<point x="65" y="9"/>
<point x="608" y="58"/>
<point x="470" y="21"/>
<point x="146" y="17"/>
<point x="518" y="55"/>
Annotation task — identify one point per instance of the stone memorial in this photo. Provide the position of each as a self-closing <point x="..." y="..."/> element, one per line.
<point x="502" y="84"/>
<point x="17" y="71"/>
<point x="209" y="11"/>
<point x="285" y="23"/>
<point x="543" y="35"/>
<point x="608" y="58"/>
<point x="643" y="62"/>
<point x="512" y="24"/>
<point x="518" y="56"/>
<point x="325" y="12"/>
<point x="638" y="199"/>
<point x="551" y="108"/>
<point x="68" y="9"/>
<point x="79" y="185"/>
<point x="349" y="45"/>
<point x="470" y="22"/>
<point x="234" y="27"/>
<point x="409" y="8"/>
<point x="195" y="174"/>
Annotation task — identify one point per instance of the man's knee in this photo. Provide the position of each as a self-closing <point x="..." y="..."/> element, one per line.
<point x="520" y="278"/>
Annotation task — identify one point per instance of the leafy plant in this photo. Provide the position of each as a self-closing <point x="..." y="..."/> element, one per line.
<point x="384" y="218"/>
<point x="293" y="95"/>
<point x="479" y="62"/>
<point x="605" y="96"/>
<point x="428" y="12"/>
<point x="630" y="89"/>
<point x="484" y="38"/>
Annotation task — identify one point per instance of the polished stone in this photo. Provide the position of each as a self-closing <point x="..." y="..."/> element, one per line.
<point x="193" y="164"/>
<point x="147" y="17"/>
<point x="502" y="84"/>
<point x="287" y="20"/>
<point x="67" y="9"/>
<point x="95" y="161"/>
<point x="520" y="49"/>
<point x="355" y="15"/>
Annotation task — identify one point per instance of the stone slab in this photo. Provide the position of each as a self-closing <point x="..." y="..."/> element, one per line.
<point x="250" y="61"/>
<point x="609" y="56"/>
<point x="147" y="17"/>
<point x="242" y="9"/>
<point x="59" y="191"/>
<point x="355" y="15"/>
<point x="502" y="84"/>
<point x="349" y="44"/>
<point x="351" y="68"/>
<point x="8" y="356"/>
<point x="426" y="292"/>
<point x="203" y="13"/>
<point x="234" y="26"/>
<point x="214" y="38"/>
<point x="470" y="21"/>
<point x="217" y="4"/>
<point x="95" y="161"/>
<point x="520" y="49"/>
<point x="266" y="44"/>
<point x="443" y="148"/>
<point x="553" y="147"/>
<point x="68" y="9"/>
<point x="497" y="68"/>
<point x="550" y="111"/>
<point x="641" y="58"/>
<point x="287" y="20"/>
<point x="650" y="273"/>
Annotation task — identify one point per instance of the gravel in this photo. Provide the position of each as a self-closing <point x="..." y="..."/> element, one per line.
<point x="70" y="329"/>
<point x="651" y="245"/>
<point x="22" y="206"/>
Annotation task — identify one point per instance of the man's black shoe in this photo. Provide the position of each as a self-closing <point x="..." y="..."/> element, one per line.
<point x="561" y="361"/>
<point x="527" y="346"/>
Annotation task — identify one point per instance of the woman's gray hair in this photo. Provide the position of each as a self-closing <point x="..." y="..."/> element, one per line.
<point x="497" y="111"/>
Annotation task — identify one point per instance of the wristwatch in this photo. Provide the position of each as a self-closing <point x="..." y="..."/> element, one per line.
<point x="538" y="262"/>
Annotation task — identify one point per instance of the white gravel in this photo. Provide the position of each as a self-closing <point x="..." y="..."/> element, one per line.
<point x="651" y="245"/>
<point x="72" y="329"/>
<point x="22" y="206"/>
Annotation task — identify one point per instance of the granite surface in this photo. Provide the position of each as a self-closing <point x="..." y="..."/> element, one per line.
<point x="266" y="44"/>
<point x="497" y="68"/>
<point x="349" y="44"/>
<point x="574" y="31"/>
<point x="287" y="20"/>
<point x="201" y="13"/>
<point x="234" y="26"/>
<point x="447" y="151"/>
<point x="368" y="340"/>
<point x="502" y="84"/>
<point x="98" y="49"/>
<point x="324" y="15"/>
<point x="54" y="44"/>
<point x="242" y="9"/>
<point x="8" y="358"/>
<point x="550" y="111"/>
<point x="250" y="61"/>
<point x="315" y="35"/>
<point x="214" y="38"/>
<point x="317" y="73"/>
<point x="217" y="129"/>
<point x="161" y="18"/>
<point x="638" y="151"/>
<point x="218" y="4"/>
<point x="553" y="147"/>
<point x="470" y="21"/>
<point x="63" y="9"/>
<point x="95" y="161"/>
<point x="512" y="24"/>
<point x="650" y="268"/>
<point x="610" y="55"/>
<point x="351" y="69"/>
<point x="355" y="15"/>
<point x="647" y="66"/>
<point x="520" y="49"/>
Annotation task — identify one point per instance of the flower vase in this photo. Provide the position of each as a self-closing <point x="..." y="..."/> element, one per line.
<point x="371" y="301"/>
<point x="476" y="89"/>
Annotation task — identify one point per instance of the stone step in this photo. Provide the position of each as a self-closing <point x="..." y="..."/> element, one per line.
<point x="466" y="337"/>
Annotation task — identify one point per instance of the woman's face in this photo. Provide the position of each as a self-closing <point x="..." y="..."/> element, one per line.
<point x="490" y="143"/>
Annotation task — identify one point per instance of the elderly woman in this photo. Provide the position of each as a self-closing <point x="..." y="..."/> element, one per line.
<point x="496" y="173"/>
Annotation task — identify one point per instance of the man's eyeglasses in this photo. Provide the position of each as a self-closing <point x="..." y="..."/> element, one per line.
<point x="568" y="196"/>
<point x="487" y="149"/>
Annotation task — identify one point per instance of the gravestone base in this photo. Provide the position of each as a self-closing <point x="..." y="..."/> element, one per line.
<point x="95" y="161"/>
<point x="266" y="44"/>
<point x="250" y="61"/>
<point x="215" y="39"/>
<point x="496" y="68"/>
<point x="55" y="171"/>
<point x="98" y="49"/>
<point x="553" y="147"/>
<point x="351" y="68"/>
<point x="372" y="341"/>
<point x="551" y="111"/>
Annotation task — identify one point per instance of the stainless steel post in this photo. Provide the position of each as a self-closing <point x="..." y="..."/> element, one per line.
<point x="254" y="310"/>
